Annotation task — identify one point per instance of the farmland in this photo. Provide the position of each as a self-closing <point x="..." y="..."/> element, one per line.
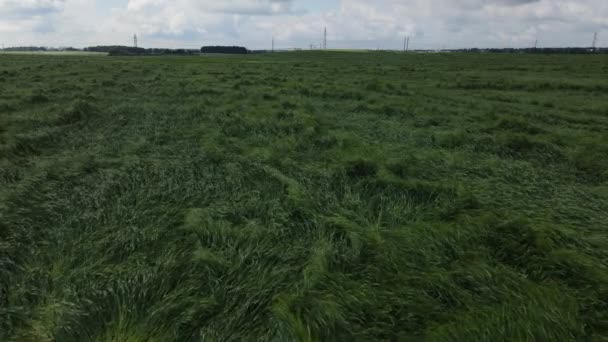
<point x="304" y="196"/>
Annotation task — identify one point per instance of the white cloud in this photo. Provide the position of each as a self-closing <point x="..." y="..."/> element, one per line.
<point x="28" y="8"/>
<point x="296" y="23"/>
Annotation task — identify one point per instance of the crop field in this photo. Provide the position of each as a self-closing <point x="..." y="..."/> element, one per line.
<point x="304" y="196"/>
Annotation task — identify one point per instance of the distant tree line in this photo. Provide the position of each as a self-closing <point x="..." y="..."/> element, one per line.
<point x="571" y="50"/>
<point x="224" y="49"/>
<point x="172" y="51"/>
<point x="116" y="49"/>
<point x="39" y="48"/>
<point x="25" y="48"/>
<point x="119" y="50"/>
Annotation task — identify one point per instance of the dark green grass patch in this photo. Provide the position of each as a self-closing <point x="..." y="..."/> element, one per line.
<point x="306" y="196"/>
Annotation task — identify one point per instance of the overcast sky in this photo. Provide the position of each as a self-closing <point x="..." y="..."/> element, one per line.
<point x="299" y="23"/>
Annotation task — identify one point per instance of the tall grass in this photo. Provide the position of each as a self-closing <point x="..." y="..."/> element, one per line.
<point x="406" y="197"/>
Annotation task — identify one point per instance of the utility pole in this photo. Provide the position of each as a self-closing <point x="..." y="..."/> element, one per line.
<point x="404" y="43"/>
<point x="272" y="43"/>
<point x="135" y="40"/>
<point x="594" y="41"/>
<point x="325" y="38"/>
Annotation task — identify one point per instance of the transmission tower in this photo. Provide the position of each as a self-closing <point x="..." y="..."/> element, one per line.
<point x="272" y="43"/>
<point x="134" y="40"/>
<point x="594" y="41"/>
<point x="325" y="39"/>
<point x="406" y="43"/>
<point x="535" y="44"/>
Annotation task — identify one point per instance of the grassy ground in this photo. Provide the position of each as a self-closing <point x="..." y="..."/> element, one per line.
<point x="304" y="196"/>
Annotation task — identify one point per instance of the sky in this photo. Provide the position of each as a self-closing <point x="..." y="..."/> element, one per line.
<point x="354" y="24"/>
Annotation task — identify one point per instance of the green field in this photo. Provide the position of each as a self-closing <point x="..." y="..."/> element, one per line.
<point x="304" y="196"/>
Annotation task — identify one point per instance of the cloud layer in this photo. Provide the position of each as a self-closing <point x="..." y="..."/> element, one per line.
<point x="299" y="23"/>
